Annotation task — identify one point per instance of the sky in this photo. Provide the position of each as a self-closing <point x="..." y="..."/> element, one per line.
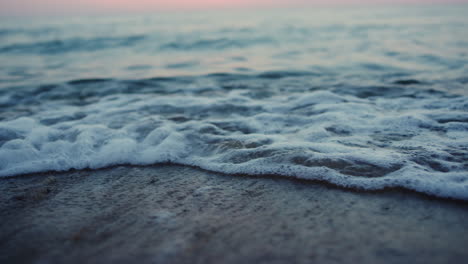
<point x="44" y="7"/>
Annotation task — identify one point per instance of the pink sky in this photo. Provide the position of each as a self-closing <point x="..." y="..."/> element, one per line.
<point x="27" y="7"/>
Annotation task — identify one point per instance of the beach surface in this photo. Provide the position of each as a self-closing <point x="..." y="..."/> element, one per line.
<point x="178" y="214"/>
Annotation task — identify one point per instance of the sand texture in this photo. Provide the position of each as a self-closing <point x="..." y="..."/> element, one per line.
<point x="176" y="214"/>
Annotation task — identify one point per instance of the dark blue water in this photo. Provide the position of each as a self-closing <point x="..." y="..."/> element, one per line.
<point x="360" y="97"/>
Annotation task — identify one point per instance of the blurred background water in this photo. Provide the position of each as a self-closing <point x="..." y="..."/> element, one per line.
<point x="425" y="42"/>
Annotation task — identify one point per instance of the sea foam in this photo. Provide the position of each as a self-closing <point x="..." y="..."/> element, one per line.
<point x="416" y="141"/>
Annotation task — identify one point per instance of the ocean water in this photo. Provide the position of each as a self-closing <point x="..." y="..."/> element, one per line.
<point x="366" y="98"/>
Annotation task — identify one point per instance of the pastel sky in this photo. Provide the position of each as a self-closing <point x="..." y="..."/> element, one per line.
<point x="31" y="7"/>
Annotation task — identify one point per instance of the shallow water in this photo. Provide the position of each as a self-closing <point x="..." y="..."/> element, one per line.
<point x="359" y="97"/>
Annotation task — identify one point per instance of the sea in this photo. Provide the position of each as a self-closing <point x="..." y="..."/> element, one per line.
<point x="366" y="98"/>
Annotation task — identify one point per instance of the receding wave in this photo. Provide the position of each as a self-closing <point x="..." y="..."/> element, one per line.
<point x="378" y="102"/>
<point x="366" y="137"/>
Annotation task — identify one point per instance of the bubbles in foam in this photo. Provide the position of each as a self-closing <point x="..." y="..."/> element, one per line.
<point x="371" y="143"/>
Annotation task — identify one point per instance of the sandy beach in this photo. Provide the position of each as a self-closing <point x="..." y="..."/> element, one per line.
<point x="176" y="214"/>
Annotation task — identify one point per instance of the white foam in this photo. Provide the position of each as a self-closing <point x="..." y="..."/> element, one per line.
<point x="367" y="143"/>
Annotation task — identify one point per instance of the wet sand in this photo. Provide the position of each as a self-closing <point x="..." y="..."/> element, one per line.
<point x="176" y="214"/>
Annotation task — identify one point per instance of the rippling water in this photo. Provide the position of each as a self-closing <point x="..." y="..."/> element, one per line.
<point x="360" y="97"/>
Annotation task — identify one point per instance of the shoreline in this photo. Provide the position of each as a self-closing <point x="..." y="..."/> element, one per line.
<point x="180" y="214"/>
<point x="398" y="189"/>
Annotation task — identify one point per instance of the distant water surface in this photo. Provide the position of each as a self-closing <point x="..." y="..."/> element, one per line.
<point x="360" y="97"/>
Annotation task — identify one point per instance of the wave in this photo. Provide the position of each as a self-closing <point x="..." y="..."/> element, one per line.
<point x="366" y="137"/>
<point x="215" y="43"/>
<point x="59" y="46"/>
<point x="11" y="32"/>
<point x="371" y="104"/>
<point x="71" y="45"/>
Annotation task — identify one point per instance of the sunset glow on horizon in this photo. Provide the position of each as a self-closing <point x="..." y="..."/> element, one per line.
<point x="31" y="7"/>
